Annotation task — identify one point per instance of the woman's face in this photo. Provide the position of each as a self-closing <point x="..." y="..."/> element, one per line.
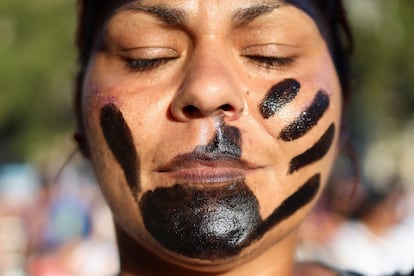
<point x="212" y="125"/>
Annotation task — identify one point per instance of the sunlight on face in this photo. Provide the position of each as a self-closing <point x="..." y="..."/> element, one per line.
<point x="212" y="125"/>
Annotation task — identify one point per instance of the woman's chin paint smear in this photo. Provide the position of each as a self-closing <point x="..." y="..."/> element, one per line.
<point x="213" y="223"/>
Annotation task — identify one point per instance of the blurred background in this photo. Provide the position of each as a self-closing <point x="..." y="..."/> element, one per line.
<point x="52" y="225"/>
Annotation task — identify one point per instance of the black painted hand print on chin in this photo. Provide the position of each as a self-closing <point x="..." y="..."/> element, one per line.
<point x="219" y="221"/>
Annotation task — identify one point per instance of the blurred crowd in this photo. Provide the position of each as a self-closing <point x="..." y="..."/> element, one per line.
<point x="63" y="226"/>
<point x="60" y="227"/>
<point x="364" y="228"/>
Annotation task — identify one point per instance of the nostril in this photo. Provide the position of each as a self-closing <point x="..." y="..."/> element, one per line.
<point x="191" y="111"/>
<point x="226" y="107"/>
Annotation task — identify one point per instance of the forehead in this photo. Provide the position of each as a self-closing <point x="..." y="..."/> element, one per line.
<point x="176" y="11"/>
<point x="106" y="8"/>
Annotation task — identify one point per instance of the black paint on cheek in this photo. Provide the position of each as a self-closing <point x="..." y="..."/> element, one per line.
<point x="315" y="153"/>
<point x="119" y="139"/>
<point x="279" y="95"/>
<point x="202" y="222"/>
<point x="308" y="119"/>
<point x="227" y="141"/>
<point x="291" y="205"/>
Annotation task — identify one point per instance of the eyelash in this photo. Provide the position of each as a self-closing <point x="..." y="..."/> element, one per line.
<point x="270" y="62"/>
<point x="141" y="65"/>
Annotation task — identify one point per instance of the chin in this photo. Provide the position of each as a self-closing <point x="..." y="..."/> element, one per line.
<point x="211" y="265"/>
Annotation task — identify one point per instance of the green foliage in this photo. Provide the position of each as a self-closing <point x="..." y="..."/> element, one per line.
<point x="36" y="70"/>
<point x="383" y="97"/>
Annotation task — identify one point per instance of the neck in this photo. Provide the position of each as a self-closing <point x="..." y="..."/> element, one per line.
<point x="136" y="260"/>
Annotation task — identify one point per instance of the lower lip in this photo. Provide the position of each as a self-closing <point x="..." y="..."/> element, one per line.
<point x="206" y="175"/>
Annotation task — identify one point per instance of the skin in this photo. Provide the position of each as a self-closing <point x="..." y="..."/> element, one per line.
<point x="189" y="131"/>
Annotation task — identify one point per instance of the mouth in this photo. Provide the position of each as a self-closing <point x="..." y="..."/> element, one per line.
<point x="207" y="168"/>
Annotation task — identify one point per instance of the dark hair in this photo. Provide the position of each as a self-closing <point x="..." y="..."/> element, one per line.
<point x="92" y="15"/>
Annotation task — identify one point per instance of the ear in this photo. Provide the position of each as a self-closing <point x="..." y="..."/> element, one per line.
<point x="79" y="136"/>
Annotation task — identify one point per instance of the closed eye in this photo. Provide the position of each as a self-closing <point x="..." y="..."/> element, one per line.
<point x="140" y="65"/>
<point x="270" y="62"/>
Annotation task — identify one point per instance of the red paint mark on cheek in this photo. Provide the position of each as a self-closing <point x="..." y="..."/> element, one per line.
<point x="99" y="98"/>
<point x="94" y="100"/>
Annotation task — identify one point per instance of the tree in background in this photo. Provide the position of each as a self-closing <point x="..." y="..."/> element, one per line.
<point x="36" y="70"/>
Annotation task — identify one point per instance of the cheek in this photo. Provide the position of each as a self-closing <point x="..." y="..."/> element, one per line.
<point x="302" y="121"/>
<point x="113" y="151"/>
<point x="279" y="95"/>
<point x="307" y="119"/>
<point x="314" y="153"/>
<point x="119" y="139"/>
<point x="291" y="110"/>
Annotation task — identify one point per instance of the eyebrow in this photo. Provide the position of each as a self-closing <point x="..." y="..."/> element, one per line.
<point x="247" y="15"/>
<point x="177" y="17"/>
<point x="170" y="16"/>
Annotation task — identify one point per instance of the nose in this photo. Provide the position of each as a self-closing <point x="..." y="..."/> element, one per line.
<point x="210" y="88"/>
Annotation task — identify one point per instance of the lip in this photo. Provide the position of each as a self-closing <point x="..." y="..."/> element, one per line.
<point x="207" y="168"/>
